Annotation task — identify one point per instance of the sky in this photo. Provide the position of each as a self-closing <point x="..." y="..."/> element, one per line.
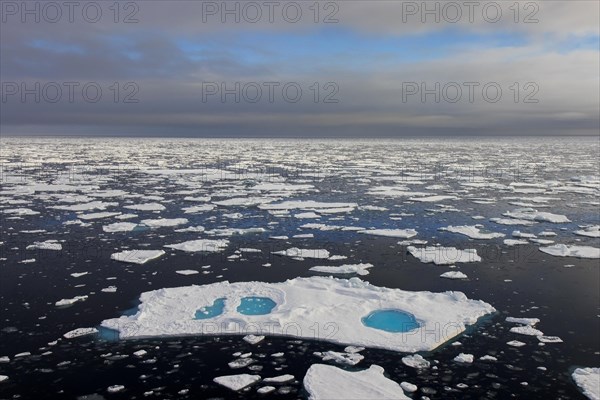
<point x="348" y="68"/>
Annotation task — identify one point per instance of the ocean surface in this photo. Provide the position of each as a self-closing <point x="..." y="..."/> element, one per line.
<point x="51" y="185"/>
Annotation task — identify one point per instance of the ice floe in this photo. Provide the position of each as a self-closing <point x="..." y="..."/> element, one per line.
<point x="146" y="207"/>
<point x="588" y="379"/>
<point x="532" y="214"/>
<point x="299" y="304"/>
<point x="590" y="231"/>
<point x="47" y="245"/>
<point x="359" y="269"/>
<point x="471" y="231"/>
<point x="453" y="275"/>
<point x="237" y="382"/>
<point x="164" y="222"/>
<point x="119" y="227"/>
<point x="326" y="382"/>
<point x="464" y="358"/>
<point x="80" y="332"/>
<point x="563" y="250"/>
<point x="137" y="256"/>
<point x="303" y="253"/>
<point x="443" y="255"/>
<point x="201" y="245"/>
<point x="395" y="233"/>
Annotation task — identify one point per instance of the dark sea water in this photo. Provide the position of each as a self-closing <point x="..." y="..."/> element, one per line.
<point x="519" y="281"/>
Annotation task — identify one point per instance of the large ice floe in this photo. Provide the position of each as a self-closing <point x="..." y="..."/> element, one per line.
<point x="326" y="382"/>
<point x="344" y="310"/>
<point x="588" y="379"/>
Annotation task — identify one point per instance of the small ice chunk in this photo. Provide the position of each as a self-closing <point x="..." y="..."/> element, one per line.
<point x="591" y="231"/>
<point x="303" y="253"/>
<point x="146" y="207"/>
<point x="115" y="388"/>
<point x="187" y="272"/>
<point x="279" y="379"/>
<point x="464" y="358"/>
<point x="526" y="330"/>
<point x="359" y="269"/>
<point x="47" y="245"/>
<point x="80" y="332"/>
<point x="237" y="382"/>
<point x="472" y="231"/>
<point x="443" y="255"/>
<point x="523" y="321"/>
<point x="395" y="233"/>
<point x="515" y="343"/>
<point x="200" y="245"/>
<point x="119" y="227"/>
<point x="341" y="358"/>
<point x="453" y="275"/>
<point x="415" y="361"/>
<point x="265" y="389"/>
<point x="549" y="339"/>
<point x="137" y="256"/>
<point x="408" y="387"/>
<point x="253" y="339"/>
<point x="563" y="250"/>
<point x="68" y="302"/>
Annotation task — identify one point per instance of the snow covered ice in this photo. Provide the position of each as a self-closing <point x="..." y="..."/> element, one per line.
<point x="301" y="303"/>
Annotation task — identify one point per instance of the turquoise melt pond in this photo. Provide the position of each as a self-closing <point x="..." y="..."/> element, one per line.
<point x="391" y="321"/>
<point x="211" y="311"/>
<point x="256" y="305"/>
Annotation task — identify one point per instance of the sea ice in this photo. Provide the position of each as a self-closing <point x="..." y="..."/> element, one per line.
<point x="588" y="379"/>
<point x="136" y="256"/>
<point x="415" y="361"/>
<point x="333" y="303"/>
<point x="359" y="269"/>
<point x="187" y="272"/>
<point x="341" y="358"/>
<point x="591" y="231"/>
<point x="532" y="214"/>
<point x="443" y="255"/>
<point x="201" y="245"/>
<point x="164" y="222"/>
<point x="472" y="231"/>
<point x="326" y="382"/>
<point x="464" y="358"/>
<point x="119" y="227"/>
<point x="47" y="245"/>
<point x="563" y="250"/>
<point x="80" y="332"/>
<point x="453" y="275"/>
<point x="98" y="215"/>
<point x="279" y="379"/>
<point x="68" y="302"/>
<point x="237" y="382"/>
<point x="303" y="253"/>
<point x="526" y="330"/>
<point x="395" y="233"/>
<point x="146" y="207"/>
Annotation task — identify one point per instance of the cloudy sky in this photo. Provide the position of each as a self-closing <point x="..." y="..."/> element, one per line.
<point x="305" y="68"/>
